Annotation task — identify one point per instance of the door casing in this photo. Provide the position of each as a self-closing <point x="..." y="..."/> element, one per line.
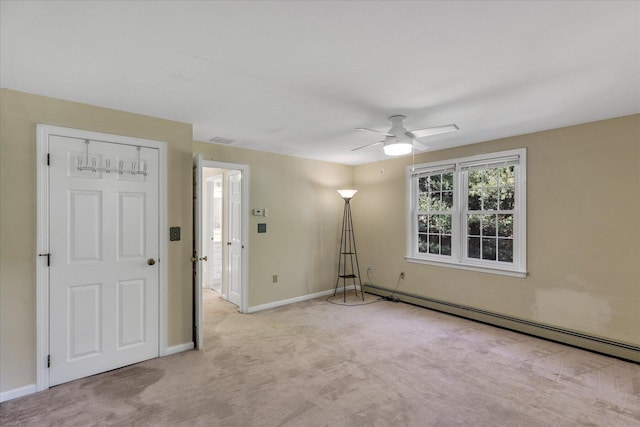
<point x="42" y="238"/>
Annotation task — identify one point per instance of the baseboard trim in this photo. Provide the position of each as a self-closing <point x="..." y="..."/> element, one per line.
<point x="606" y="346"/>
<point x="17" y="392"/>
<point x="179" y="348"/>
<point x="288" y="301"/>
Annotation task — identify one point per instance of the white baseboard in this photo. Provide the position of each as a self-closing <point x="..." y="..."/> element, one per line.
<point x="280" y="303"/>
<point x="17" y="392"/>
<point x="179" y="348"/>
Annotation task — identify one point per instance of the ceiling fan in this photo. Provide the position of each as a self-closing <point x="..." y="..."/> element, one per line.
<point x="399" y="141"/>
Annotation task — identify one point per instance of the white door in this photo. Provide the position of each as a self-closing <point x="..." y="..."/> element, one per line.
<point x="198" y="194"/>
<point x="234" y="242"/>
<point x="104" y="249"/>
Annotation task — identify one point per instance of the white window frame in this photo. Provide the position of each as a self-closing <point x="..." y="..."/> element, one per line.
<point x="459" y="258"/>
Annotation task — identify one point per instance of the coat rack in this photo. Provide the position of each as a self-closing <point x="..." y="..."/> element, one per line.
<point x="137" y="167"/>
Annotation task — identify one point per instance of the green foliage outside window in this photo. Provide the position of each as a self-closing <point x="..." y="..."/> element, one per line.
<point x="490" y="235"/>
<point x="435" y="202"/>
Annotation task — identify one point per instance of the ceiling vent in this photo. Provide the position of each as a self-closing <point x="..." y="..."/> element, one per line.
<point x="221" y="140"/>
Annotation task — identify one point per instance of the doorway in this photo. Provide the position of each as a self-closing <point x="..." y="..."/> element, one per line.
<point x="212" y="221"/>
<point x="220" y="235"/>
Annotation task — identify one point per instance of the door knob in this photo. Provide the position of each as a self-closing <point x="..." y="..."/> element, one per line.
<point x="228" y="243"/>
<point x="194" y="259"/>
<point x="203" y="258"/>
<point x="151" y="261"/>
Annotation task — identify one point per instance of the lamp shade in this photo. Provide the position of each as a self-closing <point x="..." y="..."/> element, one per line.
<point x="398" y="148"/>
<point x="347" y="193"/>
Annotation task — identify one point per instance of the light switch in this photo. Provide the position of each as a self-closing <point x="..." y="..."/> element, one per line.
<point x="174" y="234"/>
<point x="257" y="212"/>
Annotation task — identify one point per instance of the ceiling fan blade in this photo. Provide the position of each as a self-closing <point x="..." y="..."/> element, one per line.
<point x="420" y="133"/>
<point x="376" y="131"/>
<point x="365" y="146"/>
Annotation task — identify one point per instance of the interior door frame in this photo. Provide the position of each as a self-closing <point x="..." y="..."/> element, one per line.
<point x="197" y="226"/>
<point x="43" y="132"/>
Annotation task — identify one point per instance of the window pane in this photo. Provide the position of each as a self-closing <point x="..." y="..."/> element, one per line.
<point x="434" y="244"/>
<point x="447" y="181"/>
<point x="434" y="201"/>
<point x="507" y="198"/>
<point x="439" y="223"/>
<point x="434" y="183"/>
<point x="507" y="176"/>
<point x="433" y="224"/>
<point x="446" y="224"/>
<point x="423" y="202"/>
<point x="447" y="200"/>
<point x="489" y="225"/>
<point x="475" y="179"/>
<point x="473" y="244"/>
<point x="474" y="199"/>
<point x="490" y="177"/>
<point x="422" y="243"/>
<point x="445" y="248"/>
<point x="505" y="225"/>
<point x="473" y="225"/>
<point x="423" y="184"/>
<point x="422" y="223"/>
<point x="489" y="249"/>
<point x="505" y="250"/>
<point x="490" y="199"/>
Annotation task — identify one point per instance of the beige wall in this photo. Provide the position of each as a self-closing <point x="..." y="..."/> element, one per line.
<point x="303" y="224"/>
<point x="19" y="113"/>
<point x="583" y="219"/>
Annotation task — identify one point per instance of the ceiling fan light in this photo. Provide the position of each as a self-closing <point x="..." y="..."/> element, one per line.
<point x="397" y="148"/>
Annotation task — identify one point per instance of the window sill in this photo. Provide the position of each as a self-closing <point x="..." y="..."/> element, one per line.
<point x="502" y="272"/>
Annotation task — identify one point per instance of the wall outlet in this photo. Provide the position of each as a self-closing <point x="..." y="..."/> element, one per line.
<point x="275" y="278"/>
<point x="402" y="275"/>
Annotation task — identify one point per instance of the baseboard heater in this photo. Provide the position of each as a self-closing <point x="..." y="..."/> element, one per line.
<point x="565" y="336"/>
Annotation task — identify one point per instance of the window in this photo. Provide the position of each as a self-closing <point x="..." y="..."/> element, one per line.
<point x="469" y="213"/>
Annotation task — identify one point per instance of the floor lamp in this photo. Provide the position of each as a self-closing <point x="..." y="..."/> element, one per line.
<point x="347" y="269"/>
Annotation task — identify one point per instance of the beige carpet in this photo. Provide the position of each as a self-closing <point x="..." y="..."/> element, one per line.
<point x="320" y="364"/>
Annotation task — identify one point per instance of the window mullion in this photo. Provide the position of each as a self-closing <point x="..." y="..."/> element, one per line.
<point x="463" y="196"/>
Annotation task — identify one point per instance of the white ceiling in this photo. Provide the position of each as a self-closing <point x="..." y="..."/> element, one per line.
<point x="297" y="78"/>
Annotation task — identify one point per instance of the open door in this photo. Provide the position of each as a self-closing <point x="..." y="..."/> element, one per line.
<point x="197" y="251"/>
<point x="236" y="189"/>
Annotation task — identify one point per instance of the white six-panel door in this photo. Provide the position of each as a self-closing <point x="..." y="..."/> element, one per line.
<point x="104" y="249"/>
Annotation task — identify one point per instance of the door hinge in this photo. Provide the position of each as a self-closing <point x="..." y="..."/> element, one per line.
<point x="48" y="258"/>
<point x="48" y="159"/>
<point x="48" y="361"/>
